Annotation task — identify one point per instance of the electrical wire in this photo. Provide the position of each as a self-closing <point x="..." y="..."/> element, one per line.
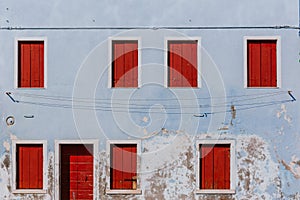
<point x="86" y="28"/>
<point x="89" y="104"/>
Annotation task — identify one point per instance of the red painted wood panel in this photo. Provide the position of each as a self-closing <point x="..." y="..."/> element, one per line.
<point x="182" y="62"/>
<point x="125" y="64"/>
<point x="175" y="65"/>
<point x="123" y="166"/>
<point x="76" y="171"/>
<point x="207" y="160"/>
<point x="31" y="64"/>
<point x="29" y="166"/>
<point x="215" y="166"/>
<point x="262" y="65"/>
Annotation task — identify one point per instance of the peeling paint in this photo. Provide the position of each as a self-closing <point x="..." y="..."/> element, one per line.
<point x="283" y="112"/>
<point x="168" y="170"/>
<point x="6" y="145"/>
<point x="293" y="166"/>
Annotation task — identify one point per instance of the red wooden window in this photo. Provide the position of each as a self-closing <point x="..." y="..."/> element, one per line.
<point x="76" y="175"/>
<point x="262" y="63"/>
<point x="215" y="166"/>
<point x="123" y="166"/>
<point x="29" y="166"/>
<point x="125" y="63"/>
<point x="182" y="62"/>
<point x="31" y="64"/>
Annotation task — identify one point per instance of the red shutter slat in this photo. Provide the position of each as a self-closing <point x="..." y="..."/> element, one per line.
<point x="117" y="168"/>
<point x="186" y="73"/>
<point x="254" y="62"/>
<point x="175" y="66"/>
<point x="273" y="82"/>
<point x="20" y="166"/>
<point x="35" y="65"/>
<point x="26" y="168"/>
<point x="194" y="64"/>
<point x="41" y="64"/>
<point x="227" y="167"/>
<point x="265" y="64"/>
<point x="127" y="162"/>
<point x="135" y="64"/>
<point x="207" y="161"/>
<point x="130" y="58"/>
<point x="40" y="168"/>
<point x="189" y="64"/>
<point x="220" y="167"/>
<point x="24" y="64"/>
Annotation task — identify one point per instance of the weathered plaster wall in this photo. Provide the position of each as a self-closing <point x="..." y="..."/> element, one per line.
<point x="168" y="171"/>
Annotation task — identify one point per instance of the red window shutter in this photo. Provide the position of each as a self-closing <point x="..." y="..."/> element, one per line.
<point x="125" y="64"/>
<point x="123" y="166"/>
<point x="262" y="66"/>
<point x="31" y="64"/>
<point x="182" y="62"/>
<point x="29" y="166"/>
<point x="215" y="166"/>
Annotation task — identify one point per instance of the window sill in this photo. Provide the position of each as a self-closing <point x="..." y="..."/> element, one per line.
<point x="29" y="191"/>
<point x="217" y="191"/>
<point x="138" y="191"/>
<point x="247" y="87"/>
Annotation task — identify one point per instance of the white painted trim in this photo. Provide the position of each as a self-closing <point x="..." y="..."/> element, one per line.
<point x="199" y="63"/>
<point x="138" y="191"/>
<point x="94" y="142"/>
<point x="138" y="149"/>
<point x="198" y="191"/>
<point x="110" y="40"/>
<point x="14" y="166"/>
<point x="278" y="59"/>
<point x="44" y="39"/>
<point x="232" y="167"/>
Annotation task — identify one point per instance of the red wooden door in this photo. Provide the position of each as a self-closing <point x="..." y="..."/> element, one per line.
<point x="76" y="172"/>
<point x="123" y="166"/>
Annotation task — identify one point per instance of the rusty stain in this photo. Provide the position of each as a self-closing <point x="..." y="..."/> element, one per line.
<point x="233" y="114"/>
<point x="6" y="161"/>
<point x="50" y="176"/>
<point x="289" y="168"/>
<point x="255" y="149"/>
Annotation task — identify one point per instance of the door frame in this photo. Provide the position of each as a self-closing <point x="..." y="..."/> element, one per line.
<point x="57" y="151"/>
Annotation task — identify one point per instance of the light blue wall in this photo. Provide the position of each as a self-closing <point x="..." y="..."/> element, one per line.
<point x="78" y="61"/>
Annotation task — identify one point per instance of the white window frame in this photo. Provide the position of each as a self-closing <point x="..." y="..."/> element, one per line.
<point x="14" y="166"/>
<point x="232" y="168"/>
<point x="21" y="39"/>
<point x="110" y="41"/>
<point x="199" y="65"/>
<point x="278" y="58"/>
<point x="138" y="149"/>
<point x="93" y="142"/>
